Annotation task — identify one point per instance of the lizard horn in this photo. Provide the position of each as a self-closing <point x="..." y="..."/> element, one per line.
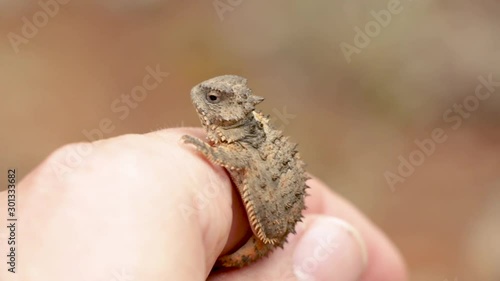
<point x="257" y="99"/>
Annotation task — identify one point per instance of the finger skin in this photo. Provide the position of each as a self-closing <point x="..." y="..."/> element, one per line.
<point x="149" y="206"/>
<point x="142" y="205"/>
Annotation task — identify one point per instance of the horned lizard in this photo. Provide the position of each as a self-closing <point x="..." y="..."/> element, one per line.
<point x="263" y="164"/>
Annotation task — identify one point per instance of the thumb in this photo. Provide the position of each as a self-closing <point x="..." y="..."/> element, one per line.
<point x="324" y="248"/>
<point x="329" y="249"/>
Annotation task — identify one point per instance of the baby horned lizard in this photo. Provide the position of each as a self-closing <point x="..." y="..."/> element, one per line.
<point x="263" y="164"/>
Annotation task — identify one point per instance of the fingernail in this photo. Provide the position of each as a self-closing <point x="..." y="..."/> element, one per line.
<point x="330" y="249"/>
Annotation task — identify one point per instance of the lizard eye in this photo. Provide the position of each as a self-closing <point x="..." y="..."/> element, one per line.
<point x="213" y="97"/>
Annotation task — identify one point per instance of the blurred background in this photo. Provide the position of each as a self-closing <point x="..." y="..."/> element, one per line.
<point x="395" y="104"/>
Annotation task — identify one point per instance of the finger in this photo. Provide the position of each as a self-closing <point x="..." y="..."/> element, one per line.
<point x="384" y="260"/>
<point x="143" y="204"/>
<point x="328" y="248"/>
<point x="239" y="226"/>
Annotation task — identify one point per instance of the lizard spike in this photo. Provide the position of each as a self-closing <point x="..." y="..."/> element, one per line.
<point x="256" y="99"/>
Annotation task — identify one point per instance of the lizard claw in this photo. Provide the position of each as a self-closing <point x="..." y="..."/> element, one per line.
<point x="190" y="140"/>
<point x="199" y="144"/>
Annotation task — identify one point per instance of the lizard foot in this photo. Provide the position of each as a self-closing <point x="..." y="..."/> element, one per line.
<point x="248" y="253"/>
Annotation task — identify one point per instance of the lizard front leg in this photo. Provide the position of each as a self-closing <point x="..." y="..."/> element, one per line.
<point x="230" y="156"/>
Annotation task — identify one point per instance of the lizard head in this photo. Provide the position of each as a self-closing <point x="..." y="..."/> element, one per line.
<point x="223" y="100"/>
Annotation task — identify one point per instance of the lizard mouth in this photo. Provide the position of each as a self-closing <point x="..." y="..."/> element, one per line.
<point x="206" y="121"/>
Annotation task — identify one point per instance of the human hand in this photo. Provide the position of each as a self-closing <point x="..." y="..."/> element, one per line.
<point x="147" y="207"/>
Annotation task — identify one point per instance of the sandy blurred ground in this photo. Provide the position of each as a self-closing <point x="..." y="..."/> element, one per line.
<point x="354" y="120"/>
